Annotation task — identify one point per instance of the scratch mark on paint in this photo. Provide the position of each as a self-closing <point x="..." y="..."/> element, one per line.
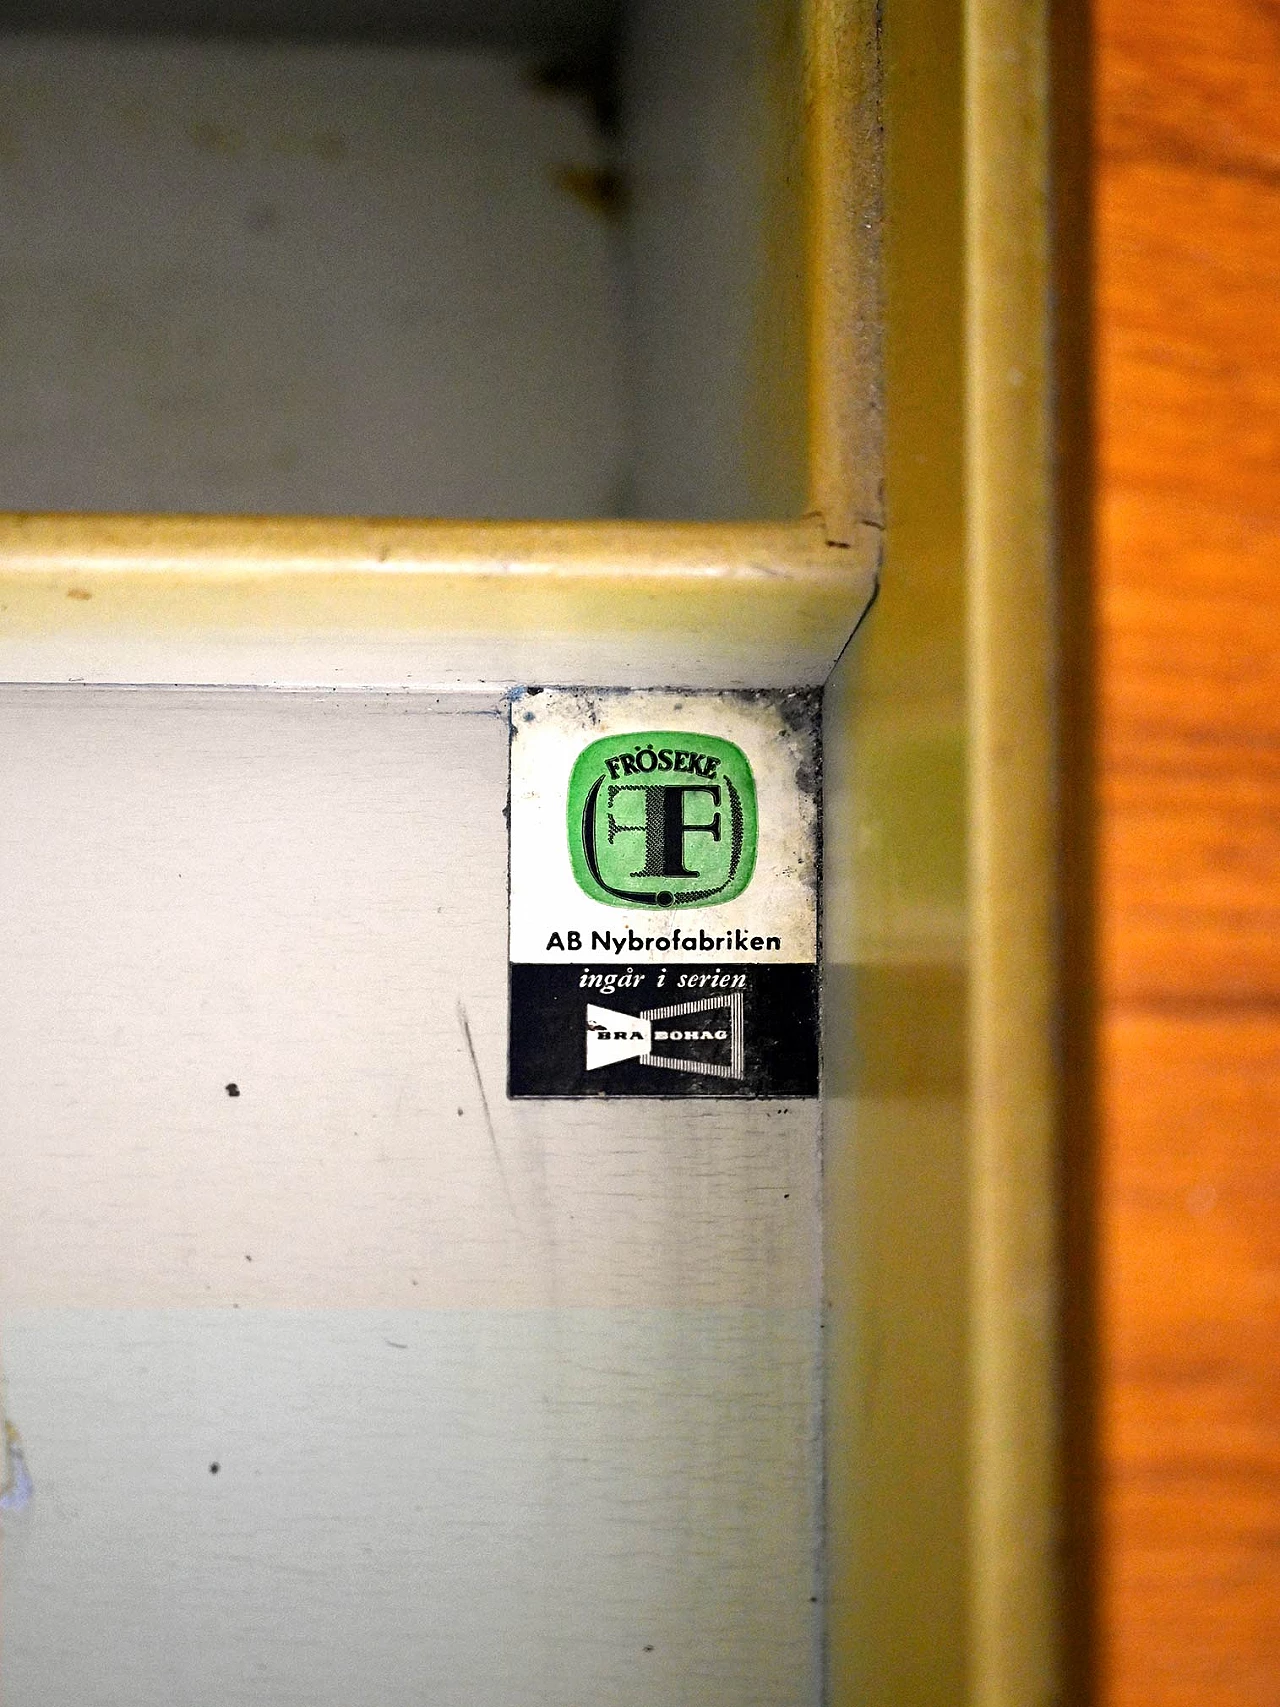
<point x="465" y="1023"/>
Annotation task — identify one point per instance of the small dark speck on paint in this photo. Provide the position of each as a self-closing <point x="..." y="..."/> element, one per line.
<point x="233" y="1090"/>
<point x="648" y="1647"/>
<point x="214" y="1468"/>
<point x="247" y="1257"/>
<point x="786" y="1194"/>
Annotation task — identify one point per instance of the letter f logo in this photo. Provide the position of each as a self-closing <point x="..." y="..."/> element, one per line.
<point x="645" y="842"/>
<point x="665" y="826"/>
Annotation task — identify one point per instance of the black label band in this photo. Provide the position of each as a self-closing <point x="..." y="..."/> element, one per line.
<point x="685" y="1030"/>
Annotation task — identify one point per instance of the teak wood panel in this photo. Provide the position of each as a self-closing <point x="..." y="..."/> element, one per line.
<point x="1187" y="280"/>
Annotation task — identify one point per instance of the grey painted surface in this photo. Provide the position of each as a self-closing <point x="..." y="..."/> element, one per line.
<point x="465" y="1508"/>
<point x="556" y="26"/>
<point x="304" y="279"/>
<point x="238" y="276"/>
<point x="700" y="83"/>
<point x="593" y="1429"/>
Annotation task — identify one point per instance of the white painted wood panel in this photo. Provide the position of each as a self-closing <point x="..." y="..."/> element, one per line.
<point x="509" y="1402"/>
<point x="467" y="1508"/>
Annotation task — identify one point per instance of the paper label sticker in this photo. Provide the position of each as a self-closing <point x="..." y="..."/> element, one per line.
<point x="664" y="878"/>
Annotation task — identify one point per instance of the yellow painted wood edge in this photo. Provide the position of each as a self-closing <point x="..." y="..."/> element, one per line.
<point x="895" y="997"/>
<point x="1014" y="1615"/>
<point x="303" y="571"/>
<point x="536" y="599"/>
<point x="939" y="1070"/>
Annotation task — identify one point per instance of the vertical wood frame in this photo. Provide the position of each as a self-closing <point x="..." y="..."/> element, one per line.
<point x="940" y="1399"/>
<point x="939" y="1130"/>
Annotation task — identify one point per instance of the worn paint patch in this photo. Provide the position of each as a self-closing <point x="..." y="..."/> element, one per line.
<point x="17" y="1488"/>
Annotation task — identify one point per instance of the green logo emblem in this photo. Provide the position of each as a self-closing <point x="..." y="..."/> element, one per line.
<point x="662" y="820"/>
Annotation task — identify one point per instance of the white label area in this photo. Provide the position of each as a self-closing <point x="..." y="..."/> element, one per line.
<point x="664" y="868"/>
<point x="551" y="729"/>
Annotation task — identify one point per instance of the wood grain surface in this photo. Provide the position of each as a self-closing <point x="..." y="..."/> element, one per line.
<point x="1187" y="318"/>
